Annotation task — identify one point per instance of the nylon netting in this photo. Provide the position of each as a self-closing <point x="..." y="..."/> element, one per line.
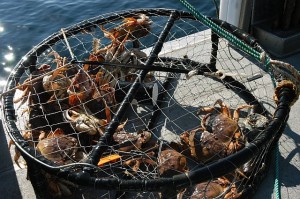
<point x="175" y="122"/>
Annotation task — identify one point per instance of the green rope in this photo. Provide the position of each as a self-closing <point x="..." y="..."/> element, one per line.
<point x="276" y="183"/>
<point x="217" y="29"/>
<point x="277" y="152"/>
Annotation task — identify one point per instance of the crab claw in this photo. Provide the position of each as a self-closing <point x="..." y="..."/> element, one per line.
<point x="84" y="122"/>
<point x="144" y="137"/>
<point x="17" y="153"/>
<point x="171" y="163"/>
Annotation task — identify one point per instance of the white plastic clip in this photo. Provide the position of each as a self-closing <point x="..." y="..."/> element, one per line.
<point x="139" y="78"/>
<point x="262" y="57"/>
<point x="191" y="74"/>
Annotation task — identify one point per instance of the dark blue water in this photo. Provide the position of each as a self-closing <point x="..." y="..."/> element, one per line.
<point x="25" y="23"/>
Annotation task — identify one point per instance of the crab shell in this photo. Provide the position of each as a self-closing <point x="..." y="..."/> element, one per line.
<point x="105" y="92"/>
<point x="57" y="84"/>
<point x="171" y="163"/>
<point x="207" y="190"/>
<point x="138" y="26"/>
<point x="221" y="126"/>
<point x="203" y="145"/>
<point x="58" y="147"/>
<point x="218" y="188"/>
<point x="131" y="141"/>
<point x="80" y="89"/>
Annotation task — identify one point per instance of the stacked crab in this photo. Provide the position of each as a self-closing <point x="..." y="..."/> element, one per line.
<point x="220" y="135"/>
<point x="64" y="111"/>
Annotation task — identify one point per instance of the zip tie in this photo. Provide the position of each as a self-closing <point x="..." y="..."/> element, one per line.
<point x="190" y="181"/>
<point x="68" y="45"/>
<point x="139" y="78"/>
<point x="254" y="77"/>
<point x="191" y="74"/>
<point x="218" y="74"/>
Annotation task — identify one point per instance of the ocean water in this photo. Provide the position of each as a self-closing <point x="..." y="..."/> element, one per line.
<point x="25" y="23"/>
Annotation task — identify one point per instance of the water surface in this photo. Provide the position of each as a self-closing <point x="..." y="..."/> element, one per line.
<point x="25" y="23"/>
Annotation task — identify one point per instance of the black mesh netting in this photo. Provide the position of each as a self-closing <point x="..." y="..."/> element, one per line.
<point x="149" y="101"/>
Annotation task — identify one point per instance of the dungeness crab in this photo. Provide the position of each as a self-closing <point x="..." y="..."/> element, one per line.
<point x="219" y="135"/>
<point x="58" y="147"/>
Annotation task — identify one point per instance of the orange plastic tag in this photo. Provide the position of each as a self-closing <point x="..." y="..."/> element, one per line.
<point x="107" y="159"/>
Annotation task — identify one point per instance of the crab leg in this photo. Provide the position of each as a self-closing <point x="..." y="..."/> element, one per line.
<point x="121" y="47"/>
<point x="31" y="81"/>
<point x="205" y="110"/>
<point x="106" y="33"/>
<point x="60" y="61"/>
<point x="17" y="153"/>
<point x="107" y="111"/>
<point x="136" y="162"/>
<point x="236" y="111"/>
<point x="192" y="141"/>
<point x="26" y="93"/>
<point x="224" y="108"/>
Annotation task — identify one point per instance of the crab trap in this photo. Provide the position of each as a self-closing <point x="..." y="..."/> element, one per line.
<point x="148" y="103"/>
